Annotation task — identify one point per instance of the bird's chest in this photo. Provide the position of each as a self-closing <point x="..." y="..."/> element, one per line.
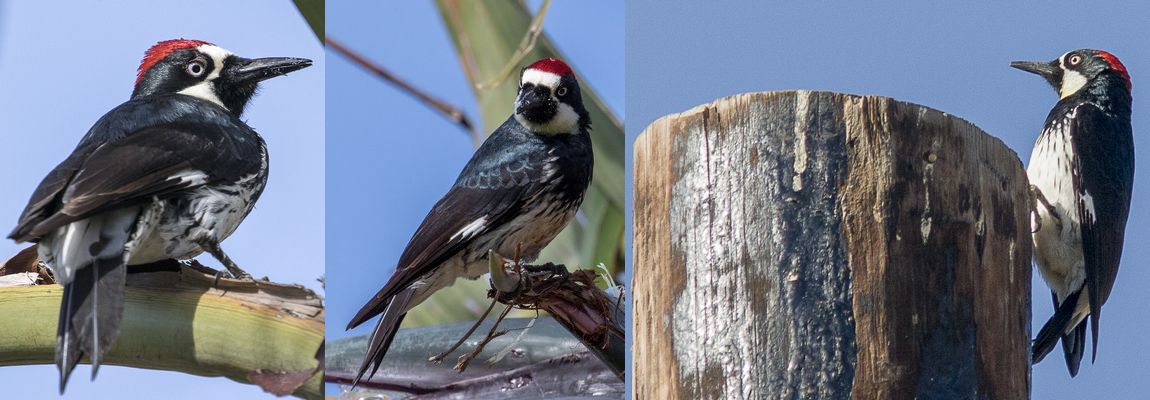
<point x="174" y="227"/>
<point x="1055" y="224"/>
<point x="1052" y="171"/>
<point x="531" y="231"/>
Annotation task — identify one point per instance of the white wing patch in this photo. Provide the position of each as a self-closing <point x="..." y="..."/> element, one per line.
<point x="192" y="178"/>
<point x="471" y="229"/>
<point x="1088" y="203"/>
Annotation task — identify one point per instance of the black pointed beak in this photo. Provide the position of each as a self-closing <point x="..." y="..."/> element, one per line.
<point x="535" y="104"/>
<point x="259" y="69"/>
<point x="1048" y="70"/>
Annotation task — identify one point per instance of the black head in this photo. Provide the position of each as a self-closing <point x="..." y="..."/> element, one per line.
<point x="549" y="101"/>
<point x="1074" y="70"/>
<point x="201" y="69"/>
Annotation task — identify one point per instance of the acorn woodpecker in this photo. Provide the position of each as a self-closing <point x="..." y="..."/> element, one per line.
<point x="520" y="189"/>
<point x="168" y="174"/>
<point x="1081" y="173"/>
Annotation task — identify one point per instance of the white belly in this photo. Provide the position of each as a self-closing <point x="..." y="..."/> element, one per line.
<point x="1058" y="238"/>
<point x="177" y="226"/>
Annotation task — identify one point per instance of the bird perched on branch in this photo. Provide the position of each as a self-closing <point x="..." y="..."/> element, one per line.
<point x="168" y="174"/>
<point x="520" y="189"/>
<point x="1081" y="173"/>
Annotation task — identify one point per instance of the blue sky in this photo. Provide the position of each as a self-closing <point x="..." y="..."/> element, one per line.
<point x="949" y="57"/>
<point x="64" y="64"/>
<point x="390" y="158"/>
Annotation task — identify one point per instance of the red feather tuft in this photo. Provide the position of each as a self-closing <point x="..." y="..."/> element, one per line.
<point x="1115" y="65"/>
<point x="552" y="65"/>
<point x="161" y="50"/>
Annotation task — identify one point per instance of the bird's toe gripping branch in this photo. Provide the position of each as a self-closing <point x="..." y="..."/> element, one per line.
<point x="214" y="249"/>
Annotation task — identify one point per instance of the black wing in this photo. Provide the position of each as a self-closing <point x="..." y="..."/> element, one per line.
<point x="1104" y="174"/>
<point x="101" y="176"/>
<point x="490" y="192"/>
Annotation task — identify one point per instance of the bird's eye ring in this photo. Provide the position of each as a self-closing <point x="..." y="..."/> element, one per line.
<point x="195" y="68"/>
<point x="562" y="91"/>
<point x="1074" y="59"/>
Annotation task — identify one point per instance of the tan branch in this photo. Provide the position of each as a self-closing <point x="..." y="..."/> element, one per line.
<point x="175" y="319"/>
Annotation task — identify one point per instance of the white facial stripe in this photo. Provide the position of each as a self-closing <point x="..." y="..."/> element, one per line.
<point x="217" y="54"/>
<point x="541" y="78"/>
<point x="566" y="120"/>
<point x="1071" y="82"/>
<point x="204" y="89"/>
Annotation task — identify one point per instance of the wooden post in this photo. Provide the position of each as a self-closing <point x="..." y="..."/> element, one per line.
<point x="813" y="245"/>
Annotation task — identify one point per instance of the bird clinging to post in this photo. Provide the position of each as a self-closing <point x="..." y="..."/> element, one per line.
<point x="168" y="174"/>
<point x="518" y="191"/>
<point x="1081" y="173"/>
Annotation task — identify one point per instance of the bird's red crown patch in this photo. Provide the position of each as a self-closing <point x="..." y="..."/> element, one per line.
<point x="1115" y="65"/>
<point x="552" y="65"/>
<point x="161" y="50"/>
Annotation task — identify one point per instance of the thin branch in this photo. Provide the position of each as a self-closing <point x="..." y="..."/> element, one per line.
<point x="525" y="46"/>
<point x="439" y="357"/>
<point x="464" y="360"/>
<point x="572" y="298"/>
<point x="451" y="112"/>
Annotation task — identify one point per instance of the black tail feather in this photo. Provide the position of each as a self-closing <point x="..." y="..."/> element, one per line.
<point x="1052" y="330"/>
<point x="384" y="333"/>
<point x="90" y="315"/>
<point x="1073" y="345"/>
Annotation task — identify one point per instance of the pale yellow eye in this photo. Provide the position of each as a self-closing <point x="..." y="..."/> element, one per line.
<point x="1074" y="59"/>
<point x="195" y="68"/>
<point x="562" y="91"/>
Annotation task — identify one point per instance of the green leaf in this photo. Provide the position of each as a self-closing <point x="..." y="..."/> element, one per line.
<point x="312" y="12"/>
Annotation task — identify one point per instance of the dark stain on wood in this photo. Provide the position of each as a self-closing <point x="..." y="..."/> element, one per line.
<point x="818" y="245"/>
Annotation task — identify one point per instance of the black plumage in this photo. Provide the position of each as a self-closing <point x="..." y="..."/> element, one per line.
<point x="520" y="189"/>
<point x="1082" y="170"/>
<point x="134" y="153"/>
<point x="168" y="174"/>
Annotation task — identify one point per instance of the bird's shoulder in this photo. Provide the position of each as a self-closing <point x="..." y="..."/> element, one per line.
<point x="510" y="157"/>
<point x="176" y="110"/>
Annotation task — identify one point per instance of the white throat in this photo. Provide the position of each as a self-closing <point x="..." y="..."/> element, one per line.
<point x="1072" y="82"/>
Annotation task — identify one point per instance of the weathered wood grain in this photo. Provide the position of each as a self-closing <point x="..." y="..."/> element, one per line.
<point x="804" y="245"/>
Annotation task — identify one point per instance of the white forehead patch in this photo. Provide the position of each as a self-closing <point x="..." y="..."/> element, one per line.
<point x="217" y="53"/>
<point x="541" y="78"/>
<point x="205" y="89"/>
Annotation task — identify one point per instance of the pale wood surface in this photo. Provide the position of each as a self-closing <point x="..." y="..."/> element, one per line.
<point x="179" y="318"/>
<point x="818" y="245"/>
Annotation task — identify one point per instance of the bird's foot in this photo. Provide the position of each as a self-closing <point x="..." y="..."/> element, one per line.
<point x="234" y="270"/>
<point x="1037" y="200"/>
